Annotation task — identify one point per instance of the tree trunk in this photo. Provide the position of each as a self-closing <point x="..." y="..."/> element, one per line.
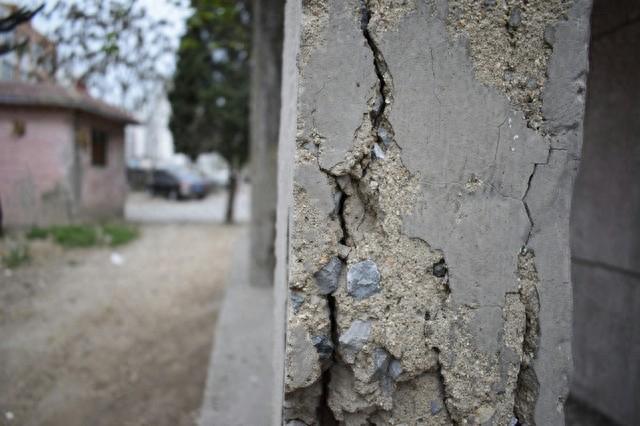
<point x="233" y="187"/>
<point x="1" y="227"/>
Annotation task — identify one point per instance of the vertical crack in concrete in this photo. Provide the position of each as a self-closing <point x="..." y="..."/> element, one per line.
<point x="347" y="184"/>
<point x="527" y="385"/>
<point x="380" y="66"/>
<point x="325" y="414"/>
<point x="381" y="125"/>
<point x="526" y="193"/>
<point x="526" y="207"/>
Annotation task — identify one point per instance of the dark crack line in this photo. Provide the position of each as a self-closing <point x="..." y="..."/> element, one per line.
<point x="325" y="414"/>
<point x="527" y="386"/>
<point x="380" y="67"/>
<point x="526" y="193"/>
<point x="378" y="117"/>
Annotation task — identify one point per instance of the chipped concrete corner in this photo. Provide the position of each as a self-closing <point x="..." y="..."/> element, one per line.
<point x="431" y="174"/>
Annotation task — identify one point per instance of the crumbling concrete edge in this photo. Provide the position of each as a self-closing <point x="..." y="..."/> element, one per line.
<point x="563" y="109"/>
<point x="286" y="152"/>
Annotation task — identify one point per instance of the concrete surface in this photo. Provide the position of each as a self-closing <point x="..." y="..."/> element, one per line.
<point x="239" y="388"/>
<point x="605" y="221"/>
<point x="402" y="144"/>
<point x="141" y="207"/>
<point x="288" y="128"/>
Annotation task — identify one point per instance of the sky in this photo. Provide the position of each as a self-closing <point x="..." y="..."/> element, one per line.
<point x="160" y="9"/>
<point x="157" y="9"/>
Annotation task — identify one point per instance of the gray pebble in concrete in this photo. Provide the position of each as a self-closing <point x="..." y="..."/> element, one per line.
<point x="297" y="299"/>
<point x="384" y="136"/>
<point x="515" y="17"/>
<point x="435" y="407"/>
<point x="352" y="340"/>
<point x="363" y="279"/>
<point x="337" y="202"/>
<point x="440" y="269"/>
<point x="532" y="84"/>
<point x="550" y="35"/>
<point x="327" y="277"/>
<point x="381" y="359"/>
<point x="386" y="368"/>
<point x="378" y="152"/>
<point x="323" y="345"/>
<point x="489" y="3"/>
<point x="395" y="369"/>
<point x="378" y="103"/>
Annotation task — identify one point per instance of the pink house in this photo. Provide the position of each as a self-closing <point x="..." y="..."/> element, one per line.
<point x="61" y="156"/>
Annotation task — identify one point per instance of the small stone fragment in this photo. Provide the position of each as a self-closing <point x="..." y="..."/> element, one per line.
<point x="378" y="103"/>
<point x="395" y="369"/>
<point x="337" y="202"/>
<point x="378" y="152"/>
<point x="302" y="365"/>
<point x="549" y="35"/>
<point x="381" y="359"/>
<point x="532" y="83"/>
<point x="488" y="3"/>
<point x="327" y="277"/>
<point x="343" y="251"/>
<point x="440" y="269"/>
<point x="513" y="422"/>
<point x="363" y="279"/>
<point x="352" y="340"/>
<point x="297" y="299"/>
<point x="515" y="17"/>
<point x="435" y="407"/>
<point x="384" y="136"/>
<point x="323" y="345"/>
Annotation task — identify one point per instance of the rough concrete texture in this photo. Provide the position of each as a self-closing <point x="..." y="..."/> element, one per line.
<point x="446" y="202"/>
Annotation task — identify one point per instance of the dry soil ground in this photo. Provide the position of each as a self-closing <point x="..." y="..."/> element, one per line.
<point x="87" y="342"/>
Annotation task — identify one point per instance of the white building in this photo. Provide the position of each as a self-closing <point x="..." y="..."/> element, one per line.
<point x="152" y="142"/>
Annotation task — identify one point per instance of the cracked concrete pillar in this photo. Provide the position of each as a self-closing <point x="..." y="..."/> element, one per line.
<point x="427" y="156"/>
<point x="266" y="62"/>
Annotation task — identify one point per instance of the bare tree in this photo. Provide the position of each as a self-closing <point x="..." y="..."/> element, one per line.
<point x="113" y="47"/>
<point x="9" y="24"/>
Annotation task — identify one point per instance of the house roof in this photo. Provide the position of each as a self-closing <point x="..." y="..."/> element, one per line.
<point x="16" y="93"/>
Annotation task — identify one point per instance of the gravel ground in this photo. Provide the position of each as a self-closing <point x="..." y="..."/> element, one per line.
<point x="86" y="342"/>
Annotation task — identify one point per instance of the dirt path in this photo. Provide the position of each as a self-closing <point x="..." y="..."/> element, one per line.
<point x="86" y="342"/>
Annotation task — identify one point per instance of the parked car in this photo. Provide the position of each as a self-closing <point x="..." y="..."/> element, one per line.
<point x="177" y="184"/>
<point x="214" y="170"/>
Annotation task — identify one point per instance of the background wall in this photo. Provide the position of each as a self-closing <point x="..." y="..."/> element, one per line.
<point x="35" y="168"/>
<point x="606" y="220"/>
<point x="103" y="189"/>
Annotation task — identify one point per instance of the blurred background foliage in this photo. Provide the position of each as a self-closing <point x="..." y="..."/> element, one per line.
<point x="210" y="91"/>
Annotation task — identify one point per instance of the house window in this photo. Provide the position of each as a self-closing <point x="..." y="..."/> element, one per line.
<point x="99" y="144"/>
